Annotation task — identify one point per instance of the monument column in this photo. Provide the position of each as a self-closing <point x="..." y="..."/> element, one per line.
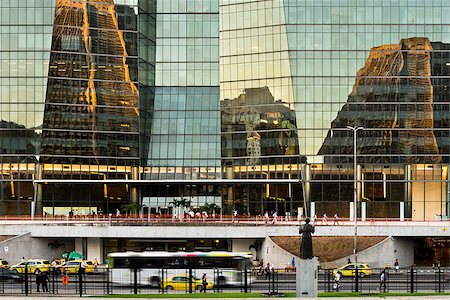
<point x="307" y="265"/>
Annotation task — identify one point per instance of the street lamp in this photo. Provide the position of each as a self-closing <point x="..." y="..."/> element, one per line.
<point x="355" y="200"/>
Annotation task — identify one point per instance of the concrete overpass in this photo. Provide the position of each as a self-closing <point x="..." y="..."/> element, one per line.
<point x="242" y="230"/>
<point x="34" y="238"/>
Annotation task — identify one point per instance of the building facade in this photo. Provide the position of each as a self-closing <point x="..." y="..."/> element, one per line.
<point x="225" y="105"/>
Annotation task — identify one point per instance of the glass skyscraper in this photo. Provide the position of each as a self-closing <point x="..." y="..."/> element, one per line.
<point x="225" y="105"/>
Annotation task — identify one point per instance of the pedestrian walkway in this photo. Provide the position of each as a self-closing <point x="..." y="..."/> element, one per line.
<point x="440" y="297"/>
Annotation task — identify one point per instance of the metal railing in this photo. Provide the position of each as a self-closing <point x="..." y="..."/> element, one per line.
<point x="165" y="219"/>
<point x="184" y="281"/>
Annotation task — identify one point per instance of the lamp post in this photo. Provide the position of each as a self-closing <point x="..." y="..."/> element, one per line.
<point x="355" y="200"/>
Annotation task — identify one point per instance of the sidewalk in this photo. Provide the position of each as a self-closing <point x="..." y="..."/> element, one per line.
<point x="336" y="298"/>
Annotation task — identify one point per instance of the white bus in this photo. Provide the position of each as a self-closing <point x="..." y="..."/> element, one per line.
<point x="224" y="268"/>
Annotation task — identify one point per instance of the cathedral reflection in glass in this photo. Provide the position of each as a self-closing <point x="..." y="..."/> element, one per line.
<point x="225" y="105"/>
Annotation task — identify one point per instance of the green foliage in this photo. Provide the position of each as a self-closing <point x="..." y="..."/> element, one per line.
<point x="132" y="208"/>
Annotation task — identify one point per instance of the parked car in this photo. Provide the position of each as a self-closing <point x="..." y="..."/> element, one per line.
<point x="4" y="264"/>
<point x="349" y="270"/>
<point x="10" y="276"/>
<point x="34" y="265"/>
<point x="73" y="267"/>
<point x="181" y="283"/>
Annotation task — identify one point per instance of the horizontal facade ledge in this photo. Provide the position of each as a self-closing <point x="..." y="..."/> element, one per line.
<point x="223" y="232"/>
<point x="168" y="181"/>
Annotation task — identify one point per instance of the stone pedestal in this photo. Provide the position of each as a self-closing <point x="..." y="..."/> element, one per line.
<point x="306" y="278"/>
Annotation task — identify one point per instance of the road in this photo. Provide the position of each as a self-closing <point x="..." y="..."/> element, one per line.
<point x="97" y="284"/>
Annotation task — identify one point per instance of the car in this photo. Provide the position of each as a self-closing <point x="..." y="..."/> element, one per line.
<point x="34" y="266"/>
<point x="181" y="283"/>
<point x="349" y="270"/>
<point x="73" y="267"/>
<point x="4" y="264"/>
<point x="10" y="276"/>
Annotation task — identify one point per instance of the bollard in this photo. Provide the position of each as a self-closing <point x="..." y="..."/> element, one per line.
<point x="190" y="280"/>
<point x="245" y="280"/>
<point x="80" y="282"/>
<point x="53" y="280"/>
<point x="26" y="279"/>
<point x="135" y="279"/>
<point x="439" y="280"/>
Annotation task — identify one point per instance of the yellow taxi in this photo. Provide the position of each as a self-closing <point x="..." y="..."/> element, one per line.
<point x="73" y="267"/>
<point x="181" y="283"/>
<point x="349" y="270"/>
<point x="4" y="264"/>
<point x="34" y="265"/>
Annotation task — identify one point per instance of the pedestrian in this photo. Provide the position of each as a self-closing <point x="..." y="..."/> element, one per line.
<point x="383" y="281"/>
<point x="275" y="217"/>
<point x="44" y="281"/>
<point x="336" y="219"/>
<point x="65" y="278"/>
<point x="204" y="283"/>
<point x="349" y="261"/>
<point x="266" y="217"/>
<point x="314" y="220"/>
<point x="95" y="263"/>
<point x="38" y="280"/>
<point x="396" y="265"/>
<point x="117" y="213"/>
<point x="324" y="219"/>
<point x="82" y="269"/>
<point x="337" y="281"/>
<point x="267" y="271"/>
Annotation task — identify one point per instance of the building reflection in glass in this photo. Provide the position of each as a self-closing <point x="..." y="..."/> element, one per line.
<point x="392" y="99"/>
<point x="255" y="126"/>
<point x="91" y="103"/>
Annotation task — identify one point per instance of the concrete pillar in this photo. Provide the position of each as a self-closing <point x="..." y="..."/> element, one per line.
<point x="359" y="183"/>
<point x="38" y="209"/>
<point x="352" y="214"/>
<point x="79" y="245"/>
<point x="133" y="190"/>
<point x="306" y="187"/>
<point x="306" y="278"/>
<point x="95" y="249"/>
<point x="307" y="183"/>
<point x="229" y="175"/>
<point x="408" y="191"/>
<point x="363" y="211"/>
<point x="313" y="209"/>
<point x="402" y="211"/>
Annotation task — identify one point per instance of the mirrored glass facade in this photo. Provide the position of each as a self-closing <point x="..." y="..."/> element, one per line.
<point x="245" y="105"/>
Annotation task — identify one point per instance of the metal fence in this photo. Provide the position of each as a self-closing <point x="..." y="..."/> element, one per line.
<point x="184" y="281"/>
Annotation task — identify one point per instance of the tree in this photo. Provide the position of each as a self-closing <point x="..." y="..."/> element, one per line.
<point x="210" y="208"/>
<point x="132" y="208"/>
<point x="180" y="203"/>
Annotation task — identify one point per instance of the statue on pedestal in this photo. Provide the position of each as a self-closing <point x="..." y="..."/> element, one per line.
<point x="306" y="250"/>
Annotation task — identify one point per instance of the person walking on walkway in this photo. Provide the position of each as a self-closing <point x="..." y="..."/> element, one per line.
<point x="267" y="270"/>
<point x="204" y="283"/>
<point x="337" y="282"/>
<point x="336" y="219"/>
<point x="44" y="281"/>
<point x="383" y="281"/>
<point x="324" y="219"/>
